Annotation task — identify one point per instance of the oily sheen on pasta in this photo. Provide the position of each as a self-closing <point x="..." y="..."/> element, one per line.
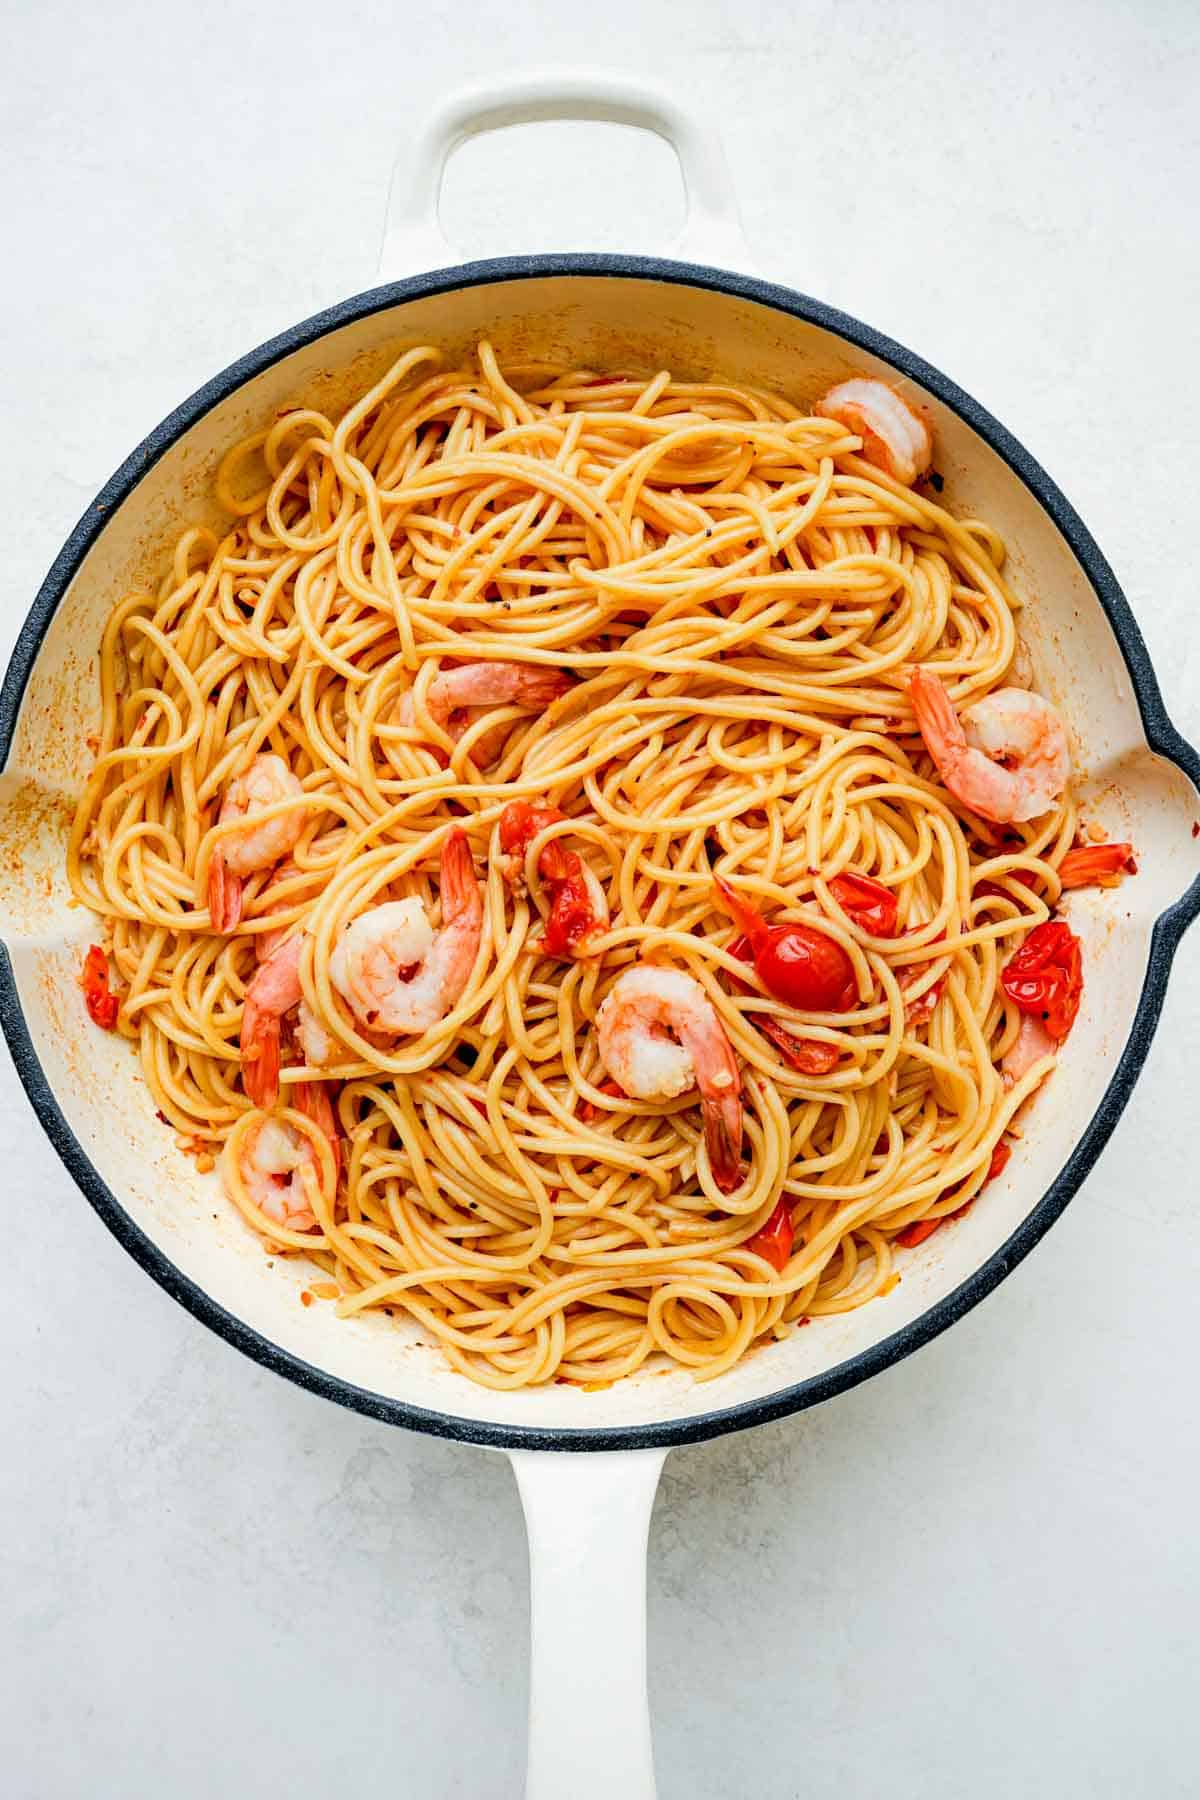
<point x="516" y="694"/>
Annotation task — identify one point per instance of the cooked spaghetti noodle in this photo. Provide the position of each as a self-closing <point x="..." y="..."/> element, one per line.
<point x="737" y="597"/>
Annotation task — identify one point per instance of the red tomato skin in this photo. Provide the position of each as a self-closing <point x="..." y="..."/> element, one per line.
<point x="1045" y="977"/>
<point x="774" y="1240"/>
<point x="103" y="1005"/>
<point x="872" y="906"/>
<point x="808" y="1056"/>
<point x="806" y="969"/>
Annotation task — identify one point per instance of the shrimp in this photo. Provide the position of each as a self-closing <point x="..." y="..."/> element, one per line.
<point x="1006" y="758"/>
<point x="273" y="1158"/>
<point x="659" y="1034"/>
<point x="895" y="436"/>
<point x="267" y="942"/>
<point x="274" y="991"/>
<point x="394" y="970"/>
<point x="1033" y="1042"/>
<point x="454" y="694"/>
<point x="266" y="782"/>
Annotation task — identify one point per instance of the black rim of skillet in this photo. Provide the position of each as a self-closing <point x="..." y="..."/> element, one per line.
<point x="1169" y="928"/>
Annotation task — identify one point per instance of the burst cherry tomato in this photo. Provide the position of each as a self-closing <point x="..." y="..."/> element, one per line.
<point x="800" y="966"/>
<point x="589" y="1112"/>
<point x="775" y="1239"/>
<point x="870" y="905"/>
<point x="520" y="823"/>
<point x="808" y="1056"/>
<point x="1045" y="977"/>
<point x="572" y="915"/>
<point x="572" y="919"/>
<point x="102" y="1004"/>
<point x="999" y="1162"/>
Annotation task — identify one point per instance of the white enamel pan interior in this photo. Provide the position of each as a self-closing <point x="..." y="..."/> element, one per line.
<point x="588" y="1514"/>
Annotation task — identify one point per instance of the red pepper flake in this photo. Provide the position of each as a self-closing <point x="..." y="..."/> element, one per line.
<point x="1196" y="828"/>
<point x="306" y="1299"/>
<point x="161" y="1116"/>
<point x="102" y="1004"/>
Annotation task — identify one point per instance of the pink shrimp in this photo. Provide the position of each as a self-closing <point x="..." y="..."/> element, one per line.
<point x="896" y="438"/>
<point x="1033" y="1043"/>
<point x="659" y="1034"/>
<point x="1006" y="758"/>
<point x="267" y="942"/>
<point x="455" y="695"/>
<point x="394" y="970"/>
<point x="253" y="846"/>
<point x="274" y="1158"/>
<point x="273" y="993"/>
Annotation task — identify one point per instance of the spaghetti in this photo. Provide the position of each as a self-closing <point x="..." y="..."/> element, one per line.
<point x="573" y="665"/>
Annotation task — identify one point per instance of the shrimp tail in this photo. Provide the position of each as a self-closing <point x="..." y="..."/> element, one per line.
<point x="224" y="894"/>
<point x="936" y="718"/>
<point x="312" y="1099"/>
<point x="723" y="1138"/>
<point x="458" y="882"/>
<point x="743" y="914"/>
<point x="273" y="992"/>
<point x="260" y="1058"/>
<point x="541" y="687"/>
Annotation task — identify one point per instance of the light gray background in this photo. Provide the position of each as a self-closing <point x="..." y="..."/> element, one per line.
<point x="977" y="1575"/>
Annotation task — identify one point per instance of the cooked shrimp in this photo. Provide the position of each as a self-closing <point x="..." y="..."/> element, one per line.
<point x="266" y="782"/>
<point x="313" y="1099"/>
<point x="895" y="436"/>
<point x="1033" y="1042"/>
<point x="395" y="971"/>
<point x="272" y="1160"/>
<point x="659" y="1034"/>
<point x="267" y="942"/>
<point x="1006" y="758"/>
<point x="455" y="694"/>
<point x="273" y="992"/>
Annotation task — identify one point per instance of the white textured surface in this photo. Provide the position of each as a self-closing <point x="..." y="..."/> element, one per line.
<point x="977" y="1574"/>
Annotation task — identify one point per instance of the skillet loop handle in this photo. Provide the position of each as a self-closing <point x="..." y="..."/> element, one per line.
<point x="412" y="235"/>
<point x="588" y="1518"/>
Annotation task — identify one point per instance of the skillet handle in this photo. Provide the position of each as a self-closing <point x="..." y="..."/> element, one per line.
<point x="412" y="234"/>
<point x="588" y="1518"/>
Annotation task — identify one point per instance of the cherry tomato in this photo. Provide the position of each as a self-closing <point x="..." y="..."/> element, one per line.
<point x="520" y="823"/>
<point x="1045" y="977"/>
<point x="870" y="905"/>
<point x="999" y="1162"/>
<point x="806" y="969"/>
<point x="920" y="1229"/>
<point x="775" y="1239"/>
<point x="798" y="965"/>
<point x="572" y="919"/>
<point x="1095" y="864"/>
<point x="808" y="1056"/>
<point x="102" y="1004"/>
<point x="589" y="1112"/>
